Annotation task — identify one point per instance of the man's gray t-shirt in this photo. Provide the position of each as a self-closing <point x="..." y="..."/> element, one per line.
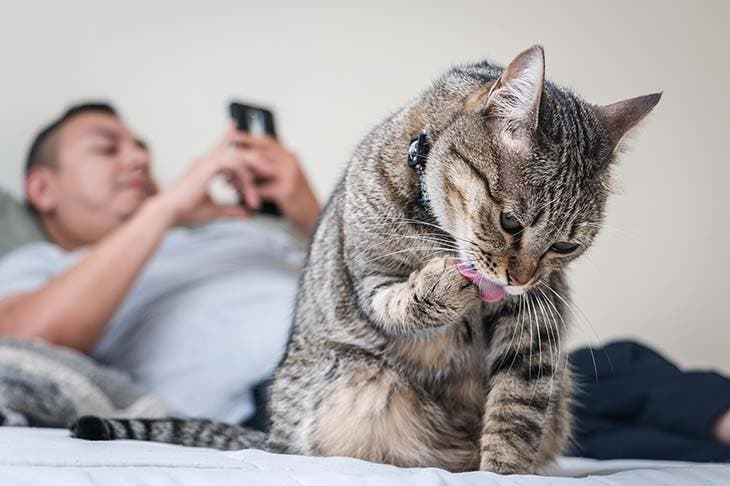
<point x="207" y="318"/>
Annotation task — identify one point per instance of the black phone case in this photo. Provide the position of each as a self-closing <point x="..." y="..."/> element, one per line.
<point x="239" y="112"/>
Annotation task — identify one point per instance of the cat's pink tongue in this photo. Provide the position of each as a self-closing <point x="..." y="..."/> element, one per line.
<point x="488" y="290"/>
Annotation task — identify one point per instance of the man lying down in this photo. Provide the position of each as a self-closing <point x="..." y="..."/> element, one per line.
<point x="193" y="299"/>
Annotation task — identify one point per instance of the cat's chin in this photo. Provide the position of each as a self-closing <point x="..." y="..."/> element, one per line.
<point x="488" y="291"/>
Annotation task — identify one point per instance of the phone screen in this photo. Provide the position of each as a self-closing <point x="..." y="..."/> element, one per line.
<point x="256" y="122"/>
<point x="253" y="119"/>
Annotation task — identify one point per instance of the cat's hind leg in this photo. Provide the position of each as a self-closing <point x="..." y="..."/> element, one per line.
<point x="376" y="415"/>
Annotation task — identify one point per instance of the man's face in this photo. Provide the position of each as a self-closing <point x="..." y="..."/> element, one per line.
<point x="102" y="176"/>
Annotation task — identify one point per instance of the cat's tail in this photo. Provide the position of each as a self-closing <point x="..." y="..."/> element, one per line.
<point x="187" y="432"/>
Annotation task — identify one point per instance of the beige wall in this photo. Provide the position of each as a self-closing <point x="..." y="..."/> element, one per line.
<point x="332" y="70"/>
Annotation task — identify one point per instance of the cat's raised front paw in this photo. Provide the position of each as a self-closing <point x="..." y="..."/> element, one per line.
<point x="440" y="284"/>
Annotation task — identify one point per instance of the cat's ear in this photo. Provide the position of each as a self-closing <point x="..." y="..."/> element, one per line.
<point x="619" y="118"/>
<point x="514" y="99"/>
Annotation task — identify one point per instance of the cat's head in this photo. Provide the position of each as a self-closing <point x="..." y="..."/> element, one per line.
<point x="521" y="177"/>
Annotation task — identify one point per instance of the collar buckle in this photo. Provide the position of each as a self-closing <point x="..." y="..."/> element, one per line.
<point x="418" y="151"/>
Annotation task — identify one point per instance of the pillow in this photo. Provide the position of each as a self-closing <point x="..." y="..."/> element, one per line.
<point x="42" y="385"/>
<point x="17" y="224"/>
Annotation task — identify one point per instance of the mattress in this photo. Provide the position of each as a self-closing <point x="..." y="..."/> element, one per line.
<point x="51" y="457"/>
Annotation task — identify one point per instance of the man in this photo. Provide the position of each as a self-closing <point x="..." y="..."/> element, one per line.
<point x="197" y="316"/>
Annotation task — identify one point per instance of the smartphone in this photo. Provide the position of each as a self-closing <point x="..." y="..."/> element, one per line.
<point x="255" y="120"/>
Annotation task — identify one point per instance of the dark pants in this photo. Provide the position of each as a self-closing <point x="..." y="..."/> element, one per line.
<point x="636" y="404"/>
<point x="260" y="419"/>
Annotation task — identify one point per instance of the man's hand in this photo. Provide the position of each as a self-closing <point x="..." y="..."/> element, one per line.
<point x="259" y="168"/>
<point x="187" y="199"/>
<point x="280" y="179"/>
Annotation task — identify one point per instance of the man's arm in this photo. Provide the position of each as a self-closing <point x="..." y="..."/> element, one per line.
<point x="73" y="308"/>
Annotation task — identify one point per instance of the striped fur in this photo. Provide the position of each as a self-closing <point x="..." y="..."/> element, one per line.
<point x="187" y="432"/>
<point x="393" y="357"/>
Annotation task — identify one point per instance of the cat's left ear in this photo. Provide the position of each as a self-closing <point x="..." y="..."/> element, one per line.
<point x="513" y="102"/>
<point x="619" y="118"/>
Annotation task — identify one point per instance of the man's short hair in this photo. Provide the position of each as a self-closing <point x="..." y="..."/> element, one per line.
<point x="43" y="148"/>
<point x="43" y="151"/>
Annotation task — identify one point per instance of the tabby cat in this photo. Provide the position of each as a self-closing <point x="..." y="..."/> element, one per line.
<point x="431" y="319"/>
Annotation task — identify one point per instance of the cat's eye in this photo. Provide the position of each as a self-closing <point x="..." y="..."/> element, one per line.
<point x="509" y="223"/>
<point x="563" y="247"/>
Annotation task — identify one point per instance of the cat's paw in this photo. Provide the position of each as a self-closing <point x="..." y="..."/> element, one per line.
<point x="440" y="284"/>
<point x="91" y="428"/>
<point x="502" y="466"/>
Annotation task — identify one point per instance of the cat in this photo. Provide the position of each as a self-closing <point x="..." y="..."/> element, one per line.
<point x="431" y="319"/>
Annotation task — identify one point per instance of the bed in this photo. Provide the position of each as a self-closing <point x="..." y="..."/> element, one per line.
<point x="50" y="457"/>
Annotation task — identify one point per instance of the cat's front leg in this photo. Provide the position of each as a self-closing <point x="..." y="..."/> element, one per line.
<point x="434" y="296"/>
<point x="526" y="421"/>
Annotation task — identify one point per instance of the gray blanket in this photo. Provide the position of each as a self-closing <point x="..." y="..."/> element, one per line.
<point x="49" y="386"/>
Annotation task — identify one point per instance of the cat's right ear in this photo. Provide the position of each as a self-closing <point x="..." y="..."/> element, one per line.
<point x="512" y="104"/>
<point x="619" y="118"/>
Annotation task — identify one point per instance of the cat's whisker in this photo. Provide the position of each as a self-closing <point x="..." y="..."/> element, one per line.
<point x="529" y="315"/>
<point x="541" y="318"/>
<point x="514" y="329"/>
<point x="447" y="235"/>
<point x="539" y="339"/>
<point x="433" y="250"/>
<point x="453" y="234"/>
<point x="549" y="321"/>
<point x="603" y="225"/>
<point x="543" y="312"/>
<point x="617" y="231"/>
<point x="424" y="238"/>
<point x="522" y="327"/>
<point x="393" y="243"/>
<point x="550" y="308"/>
<point x="397" y="237"/>
<point x="539" y="352"/>
<point x="443" y="237"/>
<point x="573" y="311"/>
<point x="430" y="249"/>
<point x="574" y="308"/>
<point x="557" y="327"/>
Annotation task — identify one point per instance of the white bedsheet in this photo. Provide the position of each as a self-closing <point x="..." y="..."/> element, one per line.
<point x="50" y="457"/>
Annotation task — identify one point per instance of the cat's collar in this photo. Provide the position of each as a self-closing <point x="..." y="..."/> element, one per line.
<point x="417" y="155"/>
<point x="418" y="151"/>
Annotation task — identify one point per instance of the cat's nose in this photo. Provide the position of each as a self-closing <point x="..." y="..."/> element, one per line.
<point x="518" y="278"/>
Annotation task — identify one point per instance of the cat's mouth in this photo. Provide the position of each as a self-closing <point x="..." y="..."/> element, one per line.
<point x="489" y="291"/>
